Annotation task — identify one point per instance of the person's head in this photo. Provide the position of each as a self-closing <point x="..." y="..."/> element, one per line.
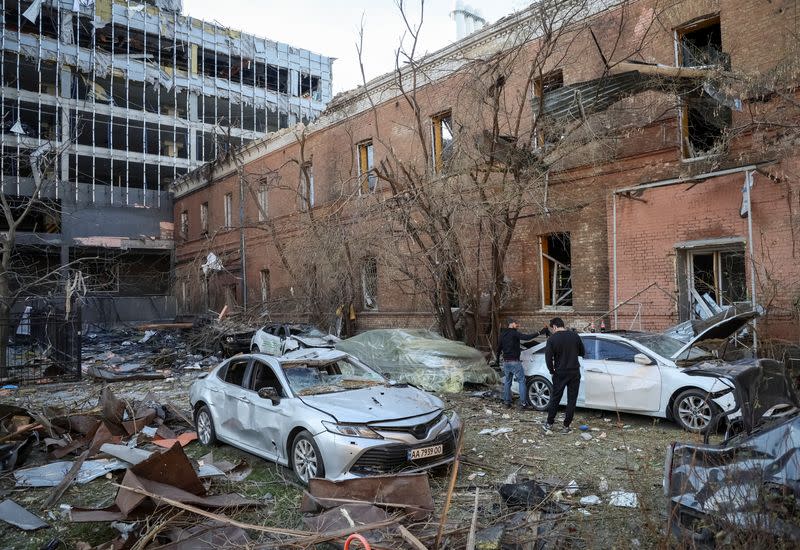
<point x="512" y="323"/>
<point x="556" y="323"/>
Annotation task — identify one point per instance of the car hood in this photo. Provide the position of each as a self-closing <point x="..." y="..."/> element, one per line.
<point x="317" y="341"/>
<point x="378" y="403"/>
<point x="725" y="326"/>
<point x="760" y="385"/>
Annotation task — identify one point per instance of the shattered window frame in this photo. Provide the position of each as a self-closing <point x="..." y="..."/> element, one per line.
<point x="228" y="210"/>
<point x="702" y="119"/>
<point x="204" y="218"/>
<point x="369" y="282"/>
<point x="264" y="281"/>
<point x="185" y="224"/>
<point x="547" y="82"/>
<point x="263" y="202"/>
<point x="366" y="167"/>
<point x="306" y="186"/>
<point x="442" y="140"/>
<point x="554" y="273"/>
<point x="724" y="284"/>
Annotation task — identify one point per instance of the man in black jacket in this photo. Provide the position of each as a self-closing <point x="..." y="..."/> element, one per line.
<point x="509" y="349"/>
<point x="561" y="355"/>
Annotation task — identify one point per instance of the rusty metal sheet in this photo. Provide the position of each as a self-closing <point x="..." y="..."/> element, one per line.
<point x="341" y="516"/>
<point x="407" y="492"/>
<point x="183" y="440"/>
<point x="208" y="536"/>
<point x="172" y="467"/>
<point x="133" y="426"/>
<point x="113" y="409"/>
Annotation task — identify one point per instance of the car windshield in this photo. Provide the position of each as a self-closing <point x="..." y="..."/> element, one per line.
<point x="329" y="377"/>
<point x="665" y="346"/>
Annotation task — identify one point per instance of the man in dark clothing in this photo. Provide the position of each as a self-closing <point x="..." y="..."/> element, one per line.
<point x="561" y="355"/>
<point x="509" y="349"/>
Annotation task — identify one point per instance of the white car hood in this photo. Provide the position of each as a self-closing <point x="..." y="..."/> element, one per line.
<point x="719" y="330"/>
<point x="378" y="403"/>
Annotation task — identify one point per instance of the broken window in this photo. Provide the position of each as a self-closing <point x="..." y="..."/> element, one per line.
<point x="308" y="87"/>
<point x="556" y="262"/>
<point x="185" y="224"/>
<point x="703" y="118"/>
<point x="204" y="218"/>
<point x="715" y="280"/>
<point x="265" y="282"/>
<point x="700" y="44"/>
<point x="306" y="186"/>
<point x="228" y="206"/>
<point x="366" y="160"/>
<point x="369" y="282"/>
<point x="546" y="133"/>
<point x="442" y="140"/>
<point x="262" y="202"/>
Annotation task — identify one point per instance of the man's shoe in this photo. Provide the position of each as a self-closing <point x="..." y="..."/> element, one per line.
<point x="546" y="428"/>
<point x="566" y="430"/>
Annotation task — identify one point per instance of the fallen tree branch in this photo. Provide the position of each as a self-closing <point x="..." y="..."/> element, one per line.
<point x="66" y="482"/>
<point x="410" y="539"/>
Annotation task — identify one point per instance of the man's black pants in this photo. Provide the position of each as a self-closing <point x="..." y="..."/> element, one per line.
<point x="570" y="380"/>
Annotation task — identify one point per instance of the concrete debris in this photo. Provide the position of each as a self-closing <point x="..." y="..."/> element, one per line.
<point x="586" y="436"/>
<point x="495" y="431"/>
<point x="591" y="500"/>
<point x="623" y="499"/>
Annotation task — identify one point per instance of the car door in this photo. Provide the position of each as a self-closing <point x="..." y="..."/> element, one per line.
<point x="595" y="386"/>
<point x="634" y="387"/>
<point x="266" y="424"/>
<point x="270" y="343"/>
<point x="233" y="401"/>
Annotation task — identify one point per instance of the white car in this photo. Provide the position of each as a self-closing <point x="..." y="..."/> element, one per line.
<point x="280" y="338"/>
<point x="645" y="373"/>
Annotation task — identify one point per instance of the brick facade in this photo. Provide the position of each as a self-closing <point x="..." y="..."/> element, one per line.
<point x="635" y="236"/>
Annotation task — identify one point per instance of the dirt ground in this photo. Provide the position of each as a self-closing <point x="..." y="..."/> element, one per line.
<point x="624" y="453"/>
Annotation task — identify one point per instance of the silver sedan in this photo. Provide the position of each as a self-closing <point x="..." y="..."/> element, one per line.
<point x="323" y="413"/>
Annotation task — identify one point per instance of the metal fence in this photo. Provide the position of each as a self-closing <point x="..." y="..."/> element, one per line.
<point x="40" y="348"/>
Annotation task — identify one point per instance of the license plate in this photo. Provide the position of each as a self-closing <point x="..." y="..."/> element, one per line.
<point x="425" y="452"/>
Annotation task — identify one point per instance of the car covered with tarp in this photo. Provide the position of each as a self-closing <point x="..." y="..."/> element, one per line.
<point x="421" y="358"/>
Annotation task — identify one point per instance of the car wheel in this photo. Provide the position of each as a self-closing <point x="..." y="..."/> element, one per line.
<point x="306" y="458"/>
<point x="539" y="391"/>
<point x="204" y="425"/>
<point x="693" y="410"/>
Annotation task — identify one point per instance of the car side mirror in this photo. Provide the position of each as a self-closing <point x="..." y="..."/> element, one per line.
<point x="269" y="392"/>
<point x="642" y="359"/>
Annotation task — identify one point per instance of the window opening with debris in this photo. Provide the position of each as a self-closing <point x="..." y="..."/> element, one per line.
<point x="704" y="119"/>
<point x="228" y="206"/>
<point x="442" y="140"/>
<point x="556" y="270"/>
<point x="546" y="133"/>
<point x="308" y="86"/>
<point x="369" y="282"/>
<point x="366" y="165"/>
<point x="265" y="282"/>
<point x="716" y="280"/>
<point x="204" y="218"/>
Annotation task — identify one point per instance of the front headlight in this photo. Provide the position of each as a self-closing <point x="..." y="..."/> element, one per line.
<point x="351" y="430"/>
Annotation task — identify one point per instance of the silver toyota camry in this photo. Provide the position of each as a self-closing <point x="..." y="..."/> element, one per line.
<point x="322" y="413"/>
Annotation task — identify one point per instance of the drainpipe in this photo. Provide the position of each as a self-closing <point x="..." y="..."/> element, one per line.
<point x="242" y="250"/>
<point x="748" y="184"/>
<point x="614" y="251"/>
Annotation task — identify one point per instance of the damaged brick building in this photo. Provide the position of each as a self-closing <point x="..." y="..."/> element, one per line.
<point x="127" y="96"/>
<point x="640" y="164"/>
